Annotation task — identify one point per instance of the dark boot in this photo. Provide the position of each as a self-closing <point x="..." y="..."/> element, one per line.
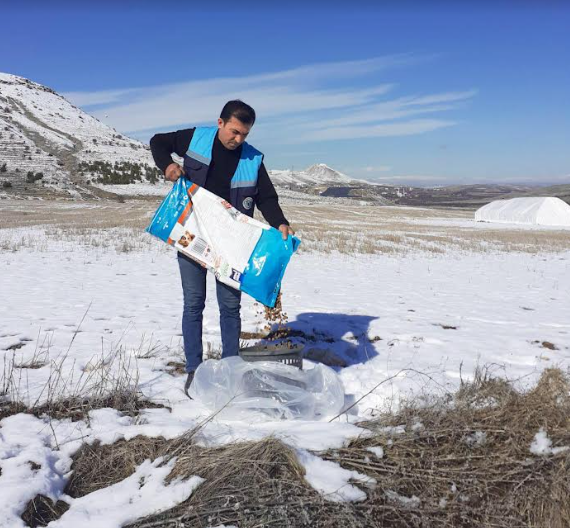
<point x="188" y="382"/>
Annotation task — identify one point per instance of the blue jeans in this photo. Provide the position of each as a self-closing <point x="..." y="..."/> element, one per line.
<point x="194" y="289"/>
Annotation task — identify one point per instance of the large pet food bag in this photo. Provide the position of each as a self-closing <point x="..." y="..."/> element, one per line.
<point x="242" y="252"/>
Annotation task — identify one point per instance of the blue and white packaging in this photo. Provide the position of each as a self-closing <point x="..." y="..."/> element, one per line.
<point x="241" y="251"/>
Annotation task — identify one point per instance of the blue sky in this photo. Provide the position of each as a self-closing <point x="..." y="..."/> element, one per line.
<point x="449" y="94"/>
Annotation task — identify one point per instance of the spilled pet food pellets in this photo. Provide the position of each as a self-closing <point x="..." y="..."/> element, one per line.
<point x="274" y="316"/>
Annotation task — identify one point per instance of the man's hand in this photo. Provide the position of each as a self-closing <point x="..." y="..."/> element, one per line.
<point x="286" y="231"/>
<point x="173" y="172"/>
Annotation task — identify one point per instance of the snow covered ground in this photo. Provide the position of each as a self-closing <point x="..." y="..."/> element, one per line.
<point x="76" y="301"/>
<point x="160" y="188"/>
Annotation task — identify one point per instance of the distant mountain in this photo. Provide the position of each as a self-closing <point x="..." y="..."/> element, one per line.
<point x="561" y="191"/>
<point x="318" y="174"/>
<point x="322" y="181"/>
<point x="48" y="146"/>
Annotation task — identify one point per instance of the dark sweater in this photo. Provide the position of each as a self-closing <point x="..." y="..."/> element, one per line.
<point x="222" y="167"/>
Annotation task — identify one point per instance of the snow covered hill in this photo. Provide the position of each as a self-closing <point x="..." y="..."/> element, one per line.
<point x="47" y="145"/>
<point x="321" y="182"/>
<point x="318" y="174"/>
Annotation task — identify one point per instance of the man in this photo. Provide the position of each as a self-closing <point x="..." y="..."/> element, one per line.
<point x="224" y="164"/>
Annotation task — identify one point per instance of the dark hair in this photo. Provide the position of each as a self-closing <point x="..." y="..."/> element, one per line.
<point x="238" y="109"/>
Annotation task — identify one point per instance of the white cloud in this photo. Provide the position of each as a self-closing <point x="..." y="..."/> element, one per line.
<point x="318" y="102"/>
<point x="181" y="106"/>
<point x="379" y="168"/>
<point x="401" y="107"/>
<point x="86" y="99"/>
<point x="405" y="128"/>
<point x="224" y="86"/>
<point x="367" y="120"/>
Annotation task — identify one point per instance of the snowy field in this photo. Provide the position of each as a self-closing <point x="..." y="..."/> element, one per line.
<point x="419" y="296"/>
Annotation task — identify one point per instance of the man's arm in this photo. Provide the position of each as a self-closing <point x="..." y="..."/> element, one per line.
<point x="163" y="145"/>
<point x="268" y="203"/>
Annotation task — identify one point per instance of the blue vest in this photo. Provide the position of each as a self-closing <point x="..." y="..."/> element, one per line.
<point x="243" y="187"/>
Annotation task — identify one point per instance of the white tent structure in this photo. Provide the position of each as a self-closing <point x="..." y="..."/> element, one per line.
<point x="548" y="211"/>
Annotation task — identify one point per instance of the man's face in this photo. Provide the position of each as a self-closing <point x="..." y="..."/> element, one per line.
<point x="232" y="133"/>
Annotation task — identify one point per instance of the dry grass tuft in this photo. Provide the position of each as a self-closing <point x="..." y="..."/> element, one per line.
<point x="8" y="408"/>
<point x="110" y="382"/>
<point x="99" y="466"/>
<point x="244" y="482"/>
<point x="247" y="484"/>
<point x="41" y="510"/>
<point x="468" y="462"/>
<point x="176" y="367"/>
<point x="78" y="408"/>
<point x="129" y="403"/>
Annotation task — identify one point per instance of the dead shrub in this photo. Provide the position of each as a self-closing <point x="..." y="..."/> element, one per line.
<point x="78" y="408"/>
<point x="110" y="382"/>
<point x="41" y="510"/>
<point x="468" y="462"/>
<point x="176" y="367"/>
<point x="129" y="403"/>
<point x="248" y="484"/>
<point x="99" y="466"/>
<point x="8" y="408"/>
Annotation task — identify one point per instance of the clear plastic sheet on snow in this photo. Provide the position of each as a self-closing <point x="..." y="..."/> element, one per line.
<point x="240" y="390"/>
